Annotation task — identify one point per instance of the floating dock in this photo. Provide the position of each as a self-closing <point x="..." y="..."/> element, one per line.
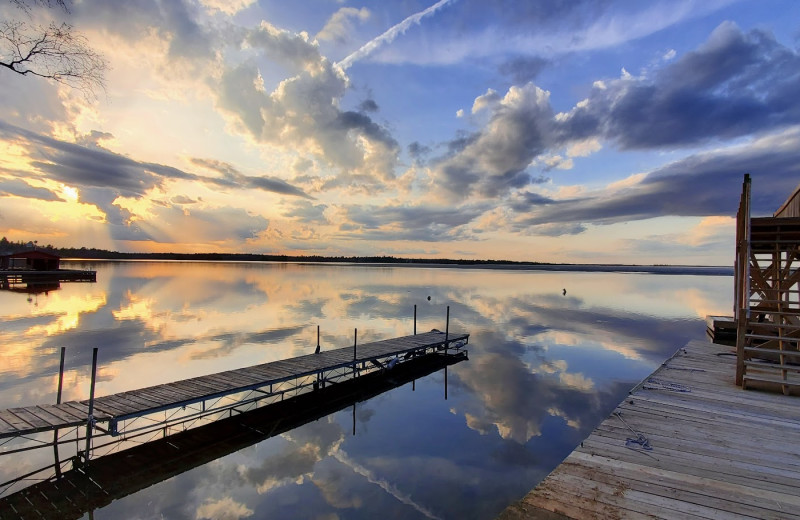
<point x="202" y="393"/>
<point x="686" y="443"/>
<point x="83" y="489"/>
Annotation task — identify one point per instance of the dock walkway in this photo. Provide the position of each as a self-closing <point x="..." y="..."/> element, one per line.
<point x="686" y="443"/>
<point x="112" y="409"/>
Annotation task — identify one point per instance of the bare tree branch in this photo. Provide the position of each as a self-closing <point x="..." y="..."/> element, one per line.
<point x="53" y="52"/>
<point x="25" y="5"/>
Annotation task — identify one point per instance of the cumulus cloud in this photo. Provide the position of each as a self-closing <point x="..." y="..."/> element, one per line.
<point x="302" y="113"/>
<point x="494" y="161"/>
<point x="732" y="85"/>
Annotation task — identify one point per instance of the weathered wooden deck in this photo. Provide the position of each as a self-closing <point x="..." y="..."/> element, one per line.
<point x="112" y="408"/>
<point x="716" y="451"/>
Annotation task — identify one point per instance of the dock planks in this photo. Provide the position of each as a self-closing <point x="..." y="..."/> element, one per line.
<point x="717" y="451"/>
<point x="25" y="420"/>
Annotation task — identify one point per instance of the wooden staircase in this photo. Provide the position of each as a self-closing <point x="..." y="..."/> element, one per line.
<point x="767" y="299"/>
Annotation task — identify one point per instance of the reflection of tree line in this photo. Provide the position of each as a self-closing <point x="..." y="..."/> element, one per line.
<point x="114" y="476"/>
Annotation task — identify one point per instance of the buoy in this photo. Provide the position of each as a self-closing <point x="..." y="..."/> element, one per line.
<point x="429" y="298"/>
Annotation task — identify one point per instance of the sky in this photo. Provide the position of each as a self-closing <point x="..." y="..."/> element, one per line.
<point x="604" y="131"/>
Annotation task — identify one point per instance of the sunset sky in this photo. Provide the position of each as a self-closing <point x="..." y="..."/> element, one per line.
<point x="581" y="131"/>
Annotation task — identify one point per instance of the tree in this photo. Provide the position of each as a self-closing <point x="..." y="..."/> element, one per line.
<point x="55" y="52"/>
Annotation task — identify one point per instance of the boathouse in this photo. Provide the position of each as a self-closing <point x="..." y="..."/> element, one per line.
<point x="33" y="259"/>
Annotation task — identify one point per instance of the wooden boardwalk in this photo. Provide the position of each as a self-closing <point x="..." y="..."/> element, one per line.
<point x="715" y="451"/>
<point x="113" y="408"/>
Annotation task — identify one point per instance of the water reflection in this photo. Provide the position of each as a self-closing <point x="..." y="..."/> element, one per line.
<point x="544" y="369"/>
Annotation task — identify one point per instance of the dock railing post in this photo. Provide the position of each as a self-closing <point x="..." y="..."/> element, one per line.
<point x="415" y="319"/>
<point x="317" y="351"/>
<point x="90" y="421"/>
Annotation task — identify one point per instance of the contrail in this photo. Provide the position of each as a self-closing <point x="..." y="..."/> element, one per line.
<point x="383" y="484"/>
<point x="392" y="33"/>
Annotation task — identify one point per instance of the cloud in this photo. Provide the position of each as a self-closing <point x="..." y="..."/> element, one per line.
<point x="225" y="508"/>
<point x="302" y="113"/>
<point x="494" y="161"/>
<point x="231" y="177"/>
<point x="424" y="223"/>
<point x="701" y="185"/>
<point x="340" y="25"/>
<point x="229" y="7"/>
<point x="732" y="85"/>
<point x="523" y="69"/>
<point x="307" y="213"/>
<point x="21" y="188"/>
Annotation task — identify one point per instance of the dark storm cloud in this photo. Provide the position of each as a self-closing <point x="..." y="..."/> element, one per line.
<point x="700" y="185"/>
<point x="734" y="84"/>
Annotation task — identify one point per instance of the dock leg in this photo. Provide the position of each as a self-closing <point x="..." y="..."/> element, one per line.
<point x="355" y="356"/>
<point x="415" y="319"/>
<point x="90" y="421"/>
<point x="446" y="330"/>
<point x="58" y="401"/>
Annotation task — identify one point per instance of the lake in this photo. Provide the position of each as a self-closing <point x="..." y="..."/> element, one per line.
<point x="544" y="369"/>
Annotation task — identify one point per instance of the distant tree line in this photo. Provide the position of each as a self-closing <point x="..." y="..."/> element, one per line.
<point x="7" y="246"/>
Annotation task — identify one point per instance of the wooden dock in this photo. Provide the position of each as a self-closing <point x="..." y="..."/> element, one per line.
<point x="686" y="443"/>
<point x="82" y="489"/>
<point x="324" y="367"/>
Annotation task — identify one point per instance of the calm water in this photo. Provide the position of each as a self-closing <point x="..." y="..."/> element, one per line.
<point x="544" y="369"/>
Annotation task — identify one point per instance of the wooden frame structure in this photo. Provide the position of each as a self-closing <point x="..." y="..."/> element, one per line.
<point x="767" y="295"/>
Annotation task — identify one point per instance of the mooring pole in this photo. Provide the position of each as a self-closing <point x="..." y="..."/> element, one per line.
<point x="415" y="319"/>
<point x="58" y="401"/>
<point x="90" y="422"/>
<point x="317" y="351"/>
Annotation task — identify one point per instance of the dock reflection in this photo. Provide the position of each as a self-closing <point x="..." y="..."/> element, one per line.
<point x="82" y="490"/>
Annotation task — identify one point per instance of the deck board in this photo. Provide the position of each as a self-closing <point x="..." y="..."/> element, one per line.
<point x="132" y="403"/>
<point x="717" y="451"/>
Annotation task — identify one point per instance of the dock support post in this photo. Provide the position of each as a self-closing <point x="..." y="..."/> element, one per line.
<point x="90" y="421"/>
<point x="355" y="342"/>
<point x="415" y="319"/>
<point x="317" y="351"/>
<point x="58" y="401"/>
<point x="446" y="330"/>
<point x="445" y="382"/>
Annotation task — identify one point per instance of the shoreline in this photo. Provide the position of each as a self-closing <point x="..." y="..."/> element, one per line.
<point x="691" y="270"/>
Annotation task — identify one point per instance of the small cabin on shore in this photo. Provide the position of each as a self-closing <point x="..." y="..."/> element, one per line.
<point x="30" y="260"/>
